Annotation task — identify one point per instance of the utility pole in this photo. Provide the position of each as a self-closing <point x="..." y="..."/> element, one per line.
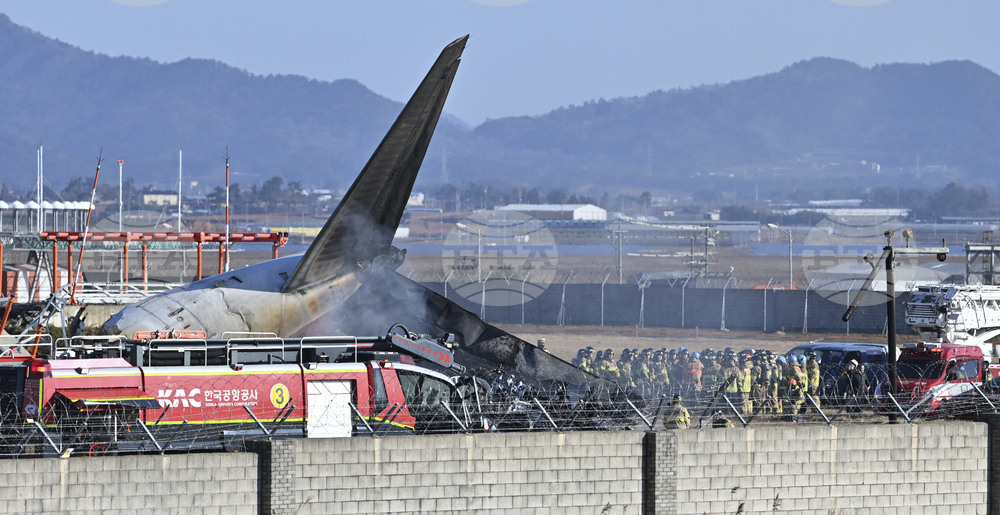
<point x="41" y="187"/>
<point x="227" y="210"/>
<point x="121" y="203"/>
<point x="121" y="258"/>
<point x="618" y="245"/>
<point x="180" y="185"/>
<point x="888" y="256"/>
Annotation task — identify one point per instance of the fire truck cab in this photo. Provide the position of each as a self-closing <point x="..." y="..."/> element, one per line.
<point x="121" y="395"/>
<point x="930" y="374"/>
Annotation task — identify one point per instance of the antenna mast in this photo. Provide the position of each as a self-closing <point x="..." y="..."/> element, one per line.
<point x="41" y="183"/>
<point x="227" y="210"/>
<point x="121" y="202"/>
<point x="180" y="184"/>
<point x="86" y="229"/>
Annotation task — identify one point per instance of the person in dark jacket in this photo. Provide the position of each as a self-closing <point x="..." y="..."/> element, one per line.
<point x="857" y="385"/>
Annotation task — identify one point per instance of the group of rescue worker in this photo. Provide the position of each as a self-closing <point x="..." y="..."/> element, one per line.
<point x="776" y="384"/>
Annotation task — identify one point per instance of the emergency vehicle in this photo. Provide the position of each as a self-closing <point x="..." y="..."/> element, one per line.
<point x="99" y="395"/>
<point x="834" y="356"/>
<point x="932" y="374"/>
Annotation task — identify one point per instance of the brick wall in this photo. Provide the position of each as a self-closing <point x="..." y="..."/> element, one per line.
<point x="194" y="483"/>
<point x="993" y="450"/>
<point x="276" y="475"/>
<point x="929" y="467"/>
<point x="660" y="472"/>
<point x="580" y="472"/>
<point x="916" y="468"/>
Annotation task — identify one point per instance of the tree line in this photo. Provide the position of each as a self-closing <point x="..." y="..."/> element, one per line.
<point x="275" y="195"/>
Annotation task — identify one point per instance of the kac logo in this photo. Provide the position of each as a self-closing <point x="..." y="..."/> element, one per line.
<point x="179" y="398"/>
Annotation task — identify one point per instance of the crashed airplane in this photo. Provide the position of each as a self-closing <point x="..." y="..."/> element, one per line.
<point x="346" y="282"/>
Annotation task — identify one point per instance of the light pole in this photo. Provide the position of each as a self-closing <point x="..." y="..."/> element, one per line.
<point x="121" y="202"/>
<point x="789" y="234"/>
<point x="41" y="187"/>
<point x="522" y="296"/>
<point x="227" y="209"/>
<point x="479" y="249"/>
<point x="888" y="256"/>
<point x="723" y="328"/>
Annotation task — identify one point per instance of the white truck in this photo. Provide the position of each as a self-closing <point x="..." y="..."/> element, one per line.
<point x="965" y="315"/>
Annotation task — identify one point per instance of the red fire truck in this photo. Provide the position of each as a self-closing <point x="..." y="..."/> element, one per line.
<point x="99" y="395"/>
<point x="933" y="374"/>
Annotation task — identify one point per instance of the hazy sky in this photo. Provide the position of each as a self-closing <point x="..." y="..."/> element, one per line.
<point x="525" y="57"/>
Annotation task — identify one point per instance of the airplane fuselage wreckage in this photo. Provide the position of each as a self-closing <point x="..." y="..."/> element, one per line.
<point x="346" y="282"/>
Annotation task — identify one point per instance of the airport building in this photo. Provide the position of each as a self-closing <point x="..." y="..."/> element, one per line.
<point x="575" y="212"/>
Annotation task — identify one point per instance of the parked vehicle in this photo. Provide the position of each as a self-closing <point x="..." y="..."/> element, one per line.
<point x="833" y="357"/>
<point x="934" y="375"/>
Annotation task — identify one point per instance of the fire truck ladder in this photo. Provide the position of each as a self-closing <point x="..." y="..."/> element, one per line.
<point x="55" y="305"/>
<point x="968" y="315"/>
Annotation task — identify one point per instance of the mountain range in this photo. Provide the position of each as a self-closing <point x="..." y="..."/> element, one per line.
<point x="816" y="123"/>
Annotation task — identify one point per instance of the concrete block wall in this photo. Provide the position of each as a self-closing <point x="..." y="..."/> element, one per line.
<point x="182" y="483"/>
<point x="914" y="468"/>
<point x="932" y="467"/>
<point x="580" y="472"/>
<point x="660" y="472"/>
<point x="276" y="479"/>
<point x="993" y="449"/>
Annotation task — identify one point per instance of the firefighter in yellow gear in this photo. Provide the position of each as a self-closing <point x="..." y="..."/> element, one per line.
<point x="796" y="388"/>
<point x="812" y="372"/>
<point x="774" y="382"/>
<point x="803" y="379"/>
<point x="642" y="372"/>
<point x="730" y="378"/>
<point x="587" y="360"/>
<point x="744" y="382"/>
<point x="795" y="396"/>
<point x="661" y="376"/>
<point x="678" y="417"/>
<point x="609" y="369"/>
<point x="625" y="370"/>
<point x="758" y="381"/>
<point x="598" y="365"/>
<point x="712" y="375"/>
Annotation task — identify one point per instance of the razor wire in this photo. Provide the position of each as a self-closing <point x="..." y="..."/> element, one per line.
<point x="228" y="417"/>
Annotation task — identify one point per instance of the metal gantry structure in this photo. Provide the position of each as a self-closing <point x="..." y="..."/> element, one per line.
<point x="224" y="240"/>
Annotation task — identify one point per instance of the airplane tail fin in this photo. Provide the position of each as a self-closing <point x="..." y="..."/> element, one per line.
<point x="363" y="225"/>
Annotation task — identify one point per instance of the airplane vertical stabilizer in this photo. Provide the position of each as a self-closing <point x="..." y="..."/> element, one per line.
<point x="363" y="225"/>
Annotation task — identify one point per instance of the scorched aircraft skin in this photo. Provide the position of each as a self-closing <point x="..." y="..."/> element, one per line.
<point x="346" y="283"/>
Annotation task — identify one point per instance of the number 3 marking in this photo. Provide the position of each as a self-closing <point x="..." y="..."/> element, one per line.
<point x="279" y="395"/>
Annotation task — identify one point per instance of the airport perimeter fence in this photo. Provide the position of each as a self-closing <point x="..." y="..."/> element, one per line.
<point x="663" y="305"/>
<point x="116" y="426"/>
